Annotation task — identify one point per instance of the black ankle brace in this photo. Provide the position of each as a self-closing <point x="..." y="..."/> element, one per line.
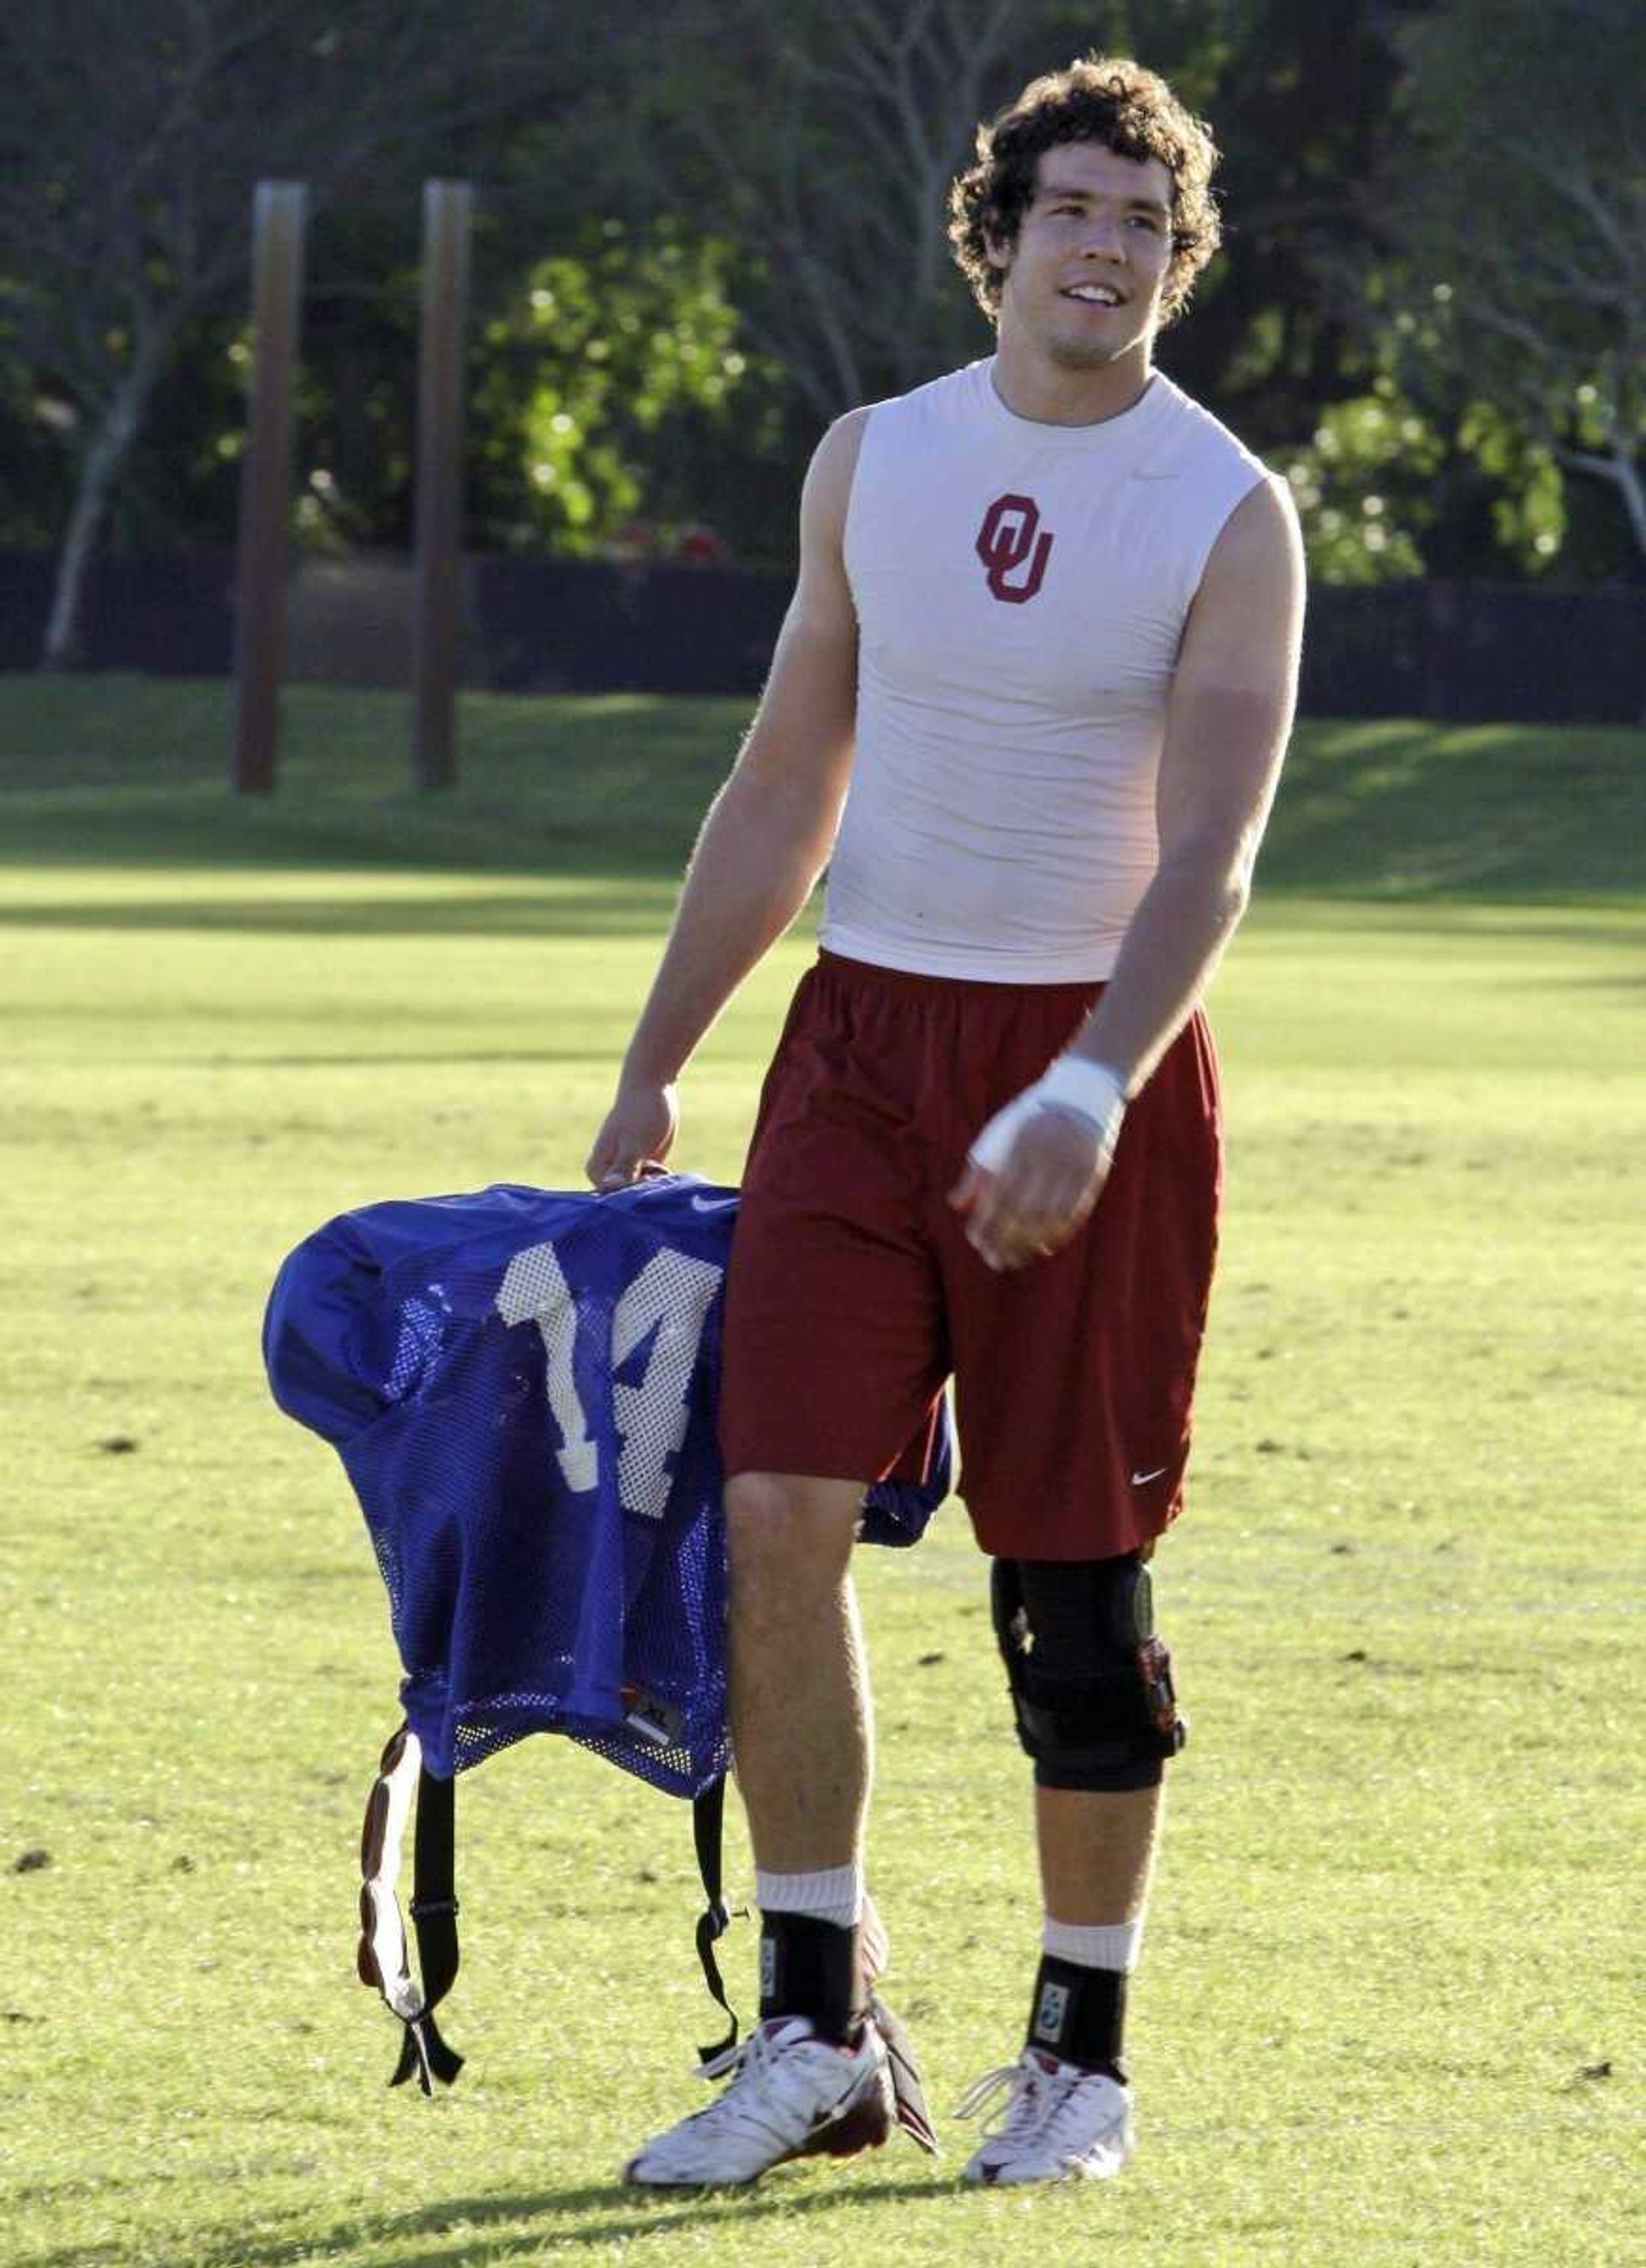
<point x="1079" y="2015"/>
<point x="813" y="1969"/>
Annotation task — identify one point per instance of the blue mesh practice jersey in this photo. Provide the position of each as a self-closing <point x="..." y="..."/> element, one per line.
<point x="521" y="1384"/>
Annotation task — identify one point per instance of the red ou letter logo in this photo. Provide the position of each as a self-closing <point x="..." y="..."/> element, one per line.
<point x="1006" y="539"/>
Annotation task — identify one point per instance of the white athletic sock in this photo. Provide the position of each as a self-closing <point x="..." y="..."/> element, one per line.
<point x="832" y="1894"/>
<point x="1094" y="1945"/>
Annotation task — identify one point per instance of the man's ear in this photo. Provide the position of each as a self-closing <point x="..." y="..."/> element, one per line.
<point x="999" y="251"/>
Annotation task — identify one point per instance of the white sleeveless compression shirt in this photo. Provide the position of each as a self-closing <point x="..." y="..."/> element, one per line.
<point x="1021" y="593"/>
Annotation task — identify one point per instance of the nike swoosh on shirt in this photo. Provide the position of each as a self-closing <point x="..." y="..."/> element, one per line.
<point x="1140" y="1480"/>
<point x="711" y="1205"/>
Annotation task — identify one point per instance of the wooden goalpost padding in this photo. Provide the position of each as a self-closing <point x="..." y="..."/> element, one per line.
<point x="436" y="591"/>
<point x="277" y="221"/>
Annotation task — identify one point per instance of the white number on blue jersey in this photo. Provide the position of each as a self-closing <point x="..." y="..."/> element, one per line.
<point x="535" y="1291"/>
<point x="670" y="1296"/>
<point x="673" y="1294"/>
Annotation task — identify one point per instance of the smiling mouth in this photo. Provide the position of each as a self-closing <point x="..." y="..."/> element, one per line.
<point x="1093" y="295"/>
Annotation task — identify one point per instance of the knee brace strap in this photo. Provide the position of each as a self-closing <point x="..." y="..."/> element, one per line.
<point x="1091" y="1679"/>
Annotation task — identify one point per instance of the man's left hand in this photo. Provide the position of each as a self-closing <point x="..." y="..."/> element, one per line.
<point x="1051" y="1178"/>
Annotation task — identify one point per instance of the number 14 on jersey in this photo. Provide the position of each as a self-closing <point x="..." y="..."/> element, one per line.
<point x="666" y="1303"/>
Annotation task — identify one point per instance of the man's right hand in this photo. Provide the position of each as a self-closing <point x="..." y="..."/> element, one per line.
<point x="638" y="1136"/>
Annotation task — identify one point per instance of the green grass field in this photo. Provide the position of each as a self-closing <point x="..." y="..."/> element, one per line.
<point x="1390" y="2008"/>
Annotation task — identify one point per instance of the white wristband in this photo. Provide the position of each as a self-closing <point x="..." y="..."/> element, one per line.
<point x="1072" y="1082"/>
<point x="1076" y="1083"/>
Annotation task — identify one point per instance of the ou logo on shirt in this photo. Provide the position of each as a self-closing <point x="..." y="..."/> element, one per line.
<point x="1008" y="540"/>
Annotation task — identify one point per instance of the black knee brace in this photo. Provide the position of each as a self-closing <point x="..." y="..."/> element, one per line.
<point x="1090" y="1682"/>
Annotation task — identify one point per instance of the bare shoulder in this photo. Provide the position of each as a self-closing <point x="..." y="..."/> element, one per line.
<point x="827" y="492"/>
<point x="1246" y="619"/>
<point x="1261" y="531"/>
<point x="836" y="453"/>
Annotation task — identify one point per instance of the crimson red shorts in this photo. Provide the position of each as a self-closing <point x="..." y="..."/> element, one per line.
<point x="853" y="1294"/>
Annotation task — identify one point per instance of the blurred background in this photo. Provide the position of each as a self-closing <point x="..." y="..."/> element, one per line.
<point x="702" y="228"/>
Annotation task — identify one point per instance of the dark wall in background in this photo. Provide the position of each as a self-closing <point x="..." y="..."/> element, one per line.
<point x="173" y="616"/>
<point x="1456" y="652"/>
<point x="1477" y="653"/>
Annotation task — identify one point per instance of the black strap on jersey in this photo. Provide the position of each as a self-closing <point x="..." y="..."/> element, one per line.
<point x="709" y="1811"/>
<point x="383" y="1960"/>
<point x="434" y="1917"/>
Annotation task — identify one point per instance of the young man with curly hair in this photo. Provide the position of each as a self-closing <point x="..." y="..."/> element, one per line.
<point x="1029" y="705"/>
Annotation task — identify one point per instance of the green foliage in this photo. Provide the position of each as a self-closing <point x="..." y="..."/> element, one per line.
<point x="1360" y="488"/>
<point x="1529" y="487"/>
<point x="804" y="193"/>
<point x="1517" y="204"/>
<point x="1384" y="480"/>
<point x="597" y="348"/>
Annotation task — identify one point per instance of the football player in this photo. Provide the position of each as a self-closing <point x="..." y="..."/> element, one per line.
<point x="1029" y="705"/>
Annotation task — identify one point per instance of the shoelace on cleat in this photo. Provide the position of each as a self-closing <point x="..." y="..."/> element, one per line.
<point x="757" y="2087"/>
<point x="1035" y="2108"/>
<point x="1024" y="2083"/>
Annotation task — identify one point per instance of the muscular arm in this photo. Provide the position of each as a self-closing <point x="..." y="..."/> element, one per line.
<point x="1227" y="724"/>
<point x="768" y="832"/>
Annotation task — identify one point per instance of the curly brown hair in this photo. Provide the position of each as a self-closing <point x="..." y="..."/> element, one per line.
<point x="1105" y="98"/>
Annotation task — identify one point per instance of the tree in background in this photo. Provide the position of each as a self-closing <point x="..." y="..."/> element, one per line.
<point x="1516" y="201"/>
<point x="1299" y="97"/>
<point x="132" y="133"/>
<point x="596" y="351"/>
<point x="821" y="138"/>
<point x="825" y="157"/>
<point x="826" y="152"/>
<point x="1414" y="477"/>
<point x="1427" y="307"/>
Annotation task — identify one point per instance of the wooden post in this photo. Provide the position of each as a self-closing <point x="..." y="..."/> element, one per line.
<point x="278" y="218"/>
<point x="446" y="210"/>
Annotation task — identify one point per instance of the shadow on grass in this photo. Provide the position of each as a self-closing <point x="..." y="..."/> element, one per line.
<point x="1546" y="915"/>
<point x="466" y="835"/>
<point x="1485" y="810"/>
<point x="131" y="772"/>
<point x="360" y="1058"/>
<point x="614" y="2212"/>
<point x="615" y="905"/>
<point x="611" y="907"/>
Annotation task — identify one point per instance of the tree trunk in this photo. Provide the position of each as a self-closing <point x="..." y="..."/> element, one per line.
<point x="1627" y="474"/>
<point x="116" y="430"/>
<point x="1620" y="470"/>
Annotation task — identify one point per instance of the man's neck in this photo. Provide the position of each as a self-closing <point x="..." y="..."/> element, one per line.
<point x="1048" y="394"/>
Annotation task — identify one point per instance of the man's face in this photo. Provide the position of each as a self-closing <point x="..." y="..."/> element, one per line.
<point x="1084" y="279"/>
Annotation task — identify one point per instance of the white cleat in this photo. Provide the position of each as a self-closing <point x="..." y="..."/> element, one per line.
<point x="1060" y="2123"/>
<point x="790" y="2095"/>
